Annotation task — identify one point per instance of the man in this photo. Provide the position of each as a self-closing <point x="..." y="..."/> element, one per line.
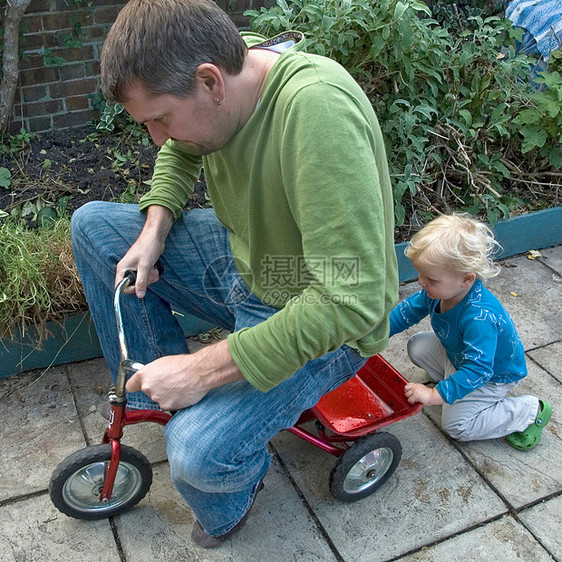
<point x="296" y="258"/>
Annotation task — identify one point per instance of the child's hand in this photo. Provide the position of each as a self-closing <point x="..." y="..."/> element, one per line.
<point x="416" y="392"/>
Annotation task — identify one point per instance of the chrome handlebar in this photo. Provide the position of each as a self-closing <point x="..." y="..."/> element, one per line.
<point x="126" y="365"/>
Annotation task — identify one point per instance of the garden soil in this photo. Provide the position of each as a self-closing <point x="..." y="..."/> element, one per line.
<point x="67" y="168"/>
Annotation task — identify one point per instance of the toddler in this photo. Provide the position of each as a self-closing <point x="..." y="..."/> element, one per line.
<point x="474" y="354"/>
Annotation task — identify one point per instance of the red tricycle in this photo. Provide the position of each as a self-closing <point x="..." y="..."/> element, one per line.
<point x="110" y="478"/>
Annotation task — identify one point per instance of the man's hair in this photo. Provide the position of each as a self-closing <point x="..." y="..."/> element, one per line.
<point x="162" y="42"/>
<point x="458" y="243"/>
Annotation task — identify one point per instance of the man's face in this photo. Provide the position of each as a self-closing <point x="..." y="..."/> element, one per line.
<point x="197" y="120"/>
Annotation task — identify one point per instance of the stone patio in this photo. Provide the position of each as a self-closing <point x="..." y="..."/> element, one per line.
<point x="446" y="501"/>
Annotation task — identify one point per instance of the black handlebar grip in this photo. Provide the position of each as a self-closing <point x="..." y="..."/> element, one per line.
<point x="131" y="276"/>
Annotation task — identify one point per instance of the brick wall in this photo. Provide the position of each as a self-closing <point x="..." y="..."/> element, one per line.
<point x="58" y="78"/>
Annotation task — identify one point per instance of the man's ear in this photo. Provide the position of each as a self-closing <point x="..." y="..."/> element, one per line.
<point x="209" y="77"/>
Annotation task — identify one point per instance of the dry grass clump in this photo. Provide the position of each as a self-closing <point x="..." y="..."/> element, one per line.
<point x="38" y="278"/>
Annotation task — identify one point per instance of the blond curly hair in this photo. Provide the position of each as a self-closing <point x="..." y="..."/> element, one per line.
<point x="457" y="242"/>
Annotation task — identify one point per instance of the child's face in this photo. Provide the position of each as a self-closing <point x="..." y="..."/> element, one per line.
<point x="441" y="283"/>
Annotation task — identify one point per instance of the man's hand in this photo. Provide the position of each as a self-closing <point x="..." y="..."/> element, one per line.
<point x="144" y="253"/>
<point x="416" y="392"/>
<point x="179" y="381"/>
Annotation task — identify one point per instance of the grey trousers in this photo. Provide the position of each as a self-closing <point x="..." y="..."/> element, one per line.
<point x="487" y="412"/>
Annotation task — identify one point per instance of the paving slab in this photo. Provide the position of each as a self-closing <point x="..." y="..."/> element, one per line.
<point x="553" y="258"/>
<point x="32" y="530"/>
<point x="41" y="424"/>
<point x="522" y="477"/>
<point x="412" y="509"/>
<point x="549" y="358"/>
<point x="544" y="520"/>
<point x="533" y="297"/>
<point x="504" y="540"/>
<point x="279" y="527"/>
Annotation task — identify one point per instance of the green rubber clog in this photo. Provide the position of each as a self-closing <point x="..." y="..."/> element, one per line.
<point x="529" y="439"/>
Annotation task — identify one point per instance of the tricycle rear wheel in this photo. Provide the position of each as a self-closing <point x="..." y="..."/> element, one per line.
<point x="365" y="466"/>
<point x="77" y="482"/>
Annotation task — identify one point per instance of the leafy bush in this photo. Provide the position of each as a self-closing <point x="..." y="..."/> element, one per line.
<point x="540" y="120"/>
<point x="464" y="127"/>
<point x="455" y="16"/>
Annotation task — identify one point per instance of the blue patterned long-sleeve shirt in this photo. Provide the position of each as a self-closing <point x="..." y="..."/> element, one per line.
<point x="478" y="335"/>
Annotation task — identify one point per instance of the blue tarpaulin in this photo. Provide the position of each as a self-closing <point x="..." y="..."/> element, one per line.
<point x="542" y="19"/>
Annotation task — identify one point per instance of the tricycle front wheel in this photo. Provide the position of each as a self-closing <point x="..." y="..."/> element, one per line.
<point x="365" y="466"/>
<point x="77" y="482"/>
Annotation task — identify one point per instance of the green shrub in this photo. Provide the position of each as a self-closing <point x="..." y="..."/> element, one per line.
<point x="540" y="121"/>
<point x="465" y="130"/>
<point x="455" y="16"/>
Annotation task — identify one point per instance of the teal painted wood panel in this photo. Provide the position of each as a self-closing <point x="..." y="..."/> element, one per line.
<point x="73" y="340"/>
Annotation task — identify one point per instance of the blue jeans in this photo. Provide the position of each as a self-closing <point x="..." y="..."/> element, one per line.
<point x="217" y="448"/>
